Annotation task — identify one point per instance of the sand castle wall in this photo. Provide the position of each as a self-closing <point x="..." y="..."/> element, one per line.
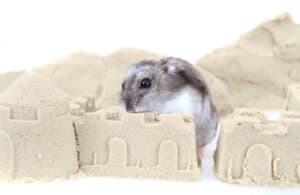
<point x="38" y="149"/>
<point x="137" y="145"/>
<point x="255" y="150"/>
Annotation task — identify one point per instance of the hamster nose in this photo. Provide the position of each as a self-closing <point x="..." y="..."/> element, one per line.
<point x="129" y="106"/>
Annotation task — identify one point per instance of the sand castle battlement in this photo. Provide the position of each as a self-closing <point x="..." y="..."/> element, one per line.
<point x="126" y="144"/>
<point x="141" y="119"/>
<point x="261" y="116"/>
<point x="80" y="106"/>
<point x="40" y="114"/>
<point x="255" y="150"/>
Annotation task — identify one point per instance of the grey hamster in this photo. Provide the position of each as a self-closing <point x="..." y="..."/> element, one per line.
<point x="171" y="85"/>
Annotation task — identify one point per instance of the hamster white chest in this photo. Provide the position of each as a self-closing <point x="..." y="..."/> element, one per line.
<point x="183" y="102"/>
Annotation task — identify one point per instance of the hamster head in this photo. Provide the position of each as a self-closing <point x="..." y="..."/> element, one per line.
<point x="149" y="85"/>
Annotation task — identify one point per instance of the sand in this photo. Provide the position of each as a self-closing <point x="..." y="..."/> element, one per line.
<point x="64" y="119"/>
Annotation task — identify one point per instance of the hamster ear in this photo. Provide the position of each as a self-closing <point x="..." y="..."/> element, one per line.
<point x="186" y="71"/>
<point x="167" y="66"/>
<point x="169" y="69"/>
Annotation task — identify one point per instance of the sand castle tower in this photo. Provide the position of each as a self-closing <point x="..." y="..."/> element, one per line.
<point x="37" y="139"/>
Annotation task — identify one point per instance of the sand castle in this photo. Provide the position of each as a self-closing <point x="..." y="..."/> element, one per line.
<point x="254" y="150"/>
<point x="64" y="118"/>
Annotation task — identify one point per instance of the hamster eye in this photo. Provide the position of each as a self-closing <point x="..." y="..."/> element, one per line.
<point x="145" y="83"/>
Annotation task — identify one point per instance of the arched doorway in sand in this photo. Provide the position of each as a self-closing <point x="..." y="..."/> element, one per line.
<point x="117" y="152"/>
<point x="257" y="164"/>
<point x="168" y="156"/>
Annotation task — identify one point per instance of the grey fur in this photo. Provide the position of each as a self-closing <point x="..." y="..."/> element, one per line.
<point x="169" y="76"/>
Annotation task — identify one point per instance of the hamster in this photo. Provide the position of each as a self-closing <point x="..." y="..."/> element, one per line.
<point x="171" y="85"/>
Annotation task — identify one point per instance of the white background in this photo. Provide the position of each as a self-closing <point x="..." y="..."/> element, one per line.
<point x="37" y="32"/>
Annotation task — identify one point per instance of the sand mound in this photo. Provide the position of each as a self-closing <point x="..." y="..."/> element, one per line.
<point x="7" y="78"/>
<point x="79" y="74"/>
<point x="258" y="68"/>
<point x="30" y="92"/>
